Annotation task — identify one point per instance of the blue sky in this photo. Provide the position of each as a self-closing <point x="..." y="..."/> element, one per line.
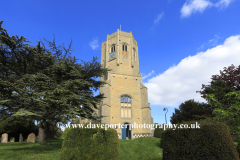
<point x="181" y="44"/>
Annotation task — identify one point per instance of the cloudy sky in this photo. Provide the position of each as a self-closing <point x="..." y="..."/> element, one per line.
<point x="181" y="43"/>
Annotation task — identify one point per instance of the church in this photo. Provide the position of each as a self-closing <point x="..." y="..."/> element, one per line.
<point x="127" y="97"/>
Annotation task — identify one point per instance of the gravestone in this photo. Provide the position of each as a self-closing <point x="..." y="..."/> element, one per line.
<point x="20" y="139"/>
<point x="4" y="138"/>
<point x="12" y="139"/>
<point x="31" y="138"/>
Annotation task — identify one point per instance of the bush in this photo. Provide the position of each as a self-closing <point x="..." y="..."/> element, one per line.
<point x="211" y="141"/>
<point x="238" y="148"/>
<point x="87" y="144"/>
<point x="158" y="132"/>
<point x="58" y="134"/>
<point x="64" y="133"/>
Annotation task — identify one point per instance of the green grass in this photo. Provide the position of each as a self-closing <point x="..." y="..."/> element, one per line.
<point x="30" y="151"/>
<point x="145" y="148"/>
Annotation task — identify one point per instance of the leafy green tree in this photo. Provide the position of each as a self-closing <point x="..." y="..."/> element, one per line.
<point x="230" y="114"/>
<point x="191" y="110"/>
<point x="41" y="84"/>
<point x="227" y="81"/>
<point x="219" y="93"/>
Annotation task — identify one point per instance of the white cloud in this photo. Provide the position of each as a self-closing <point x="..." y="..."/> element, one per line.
<point x="211" y="43"/>
<point x="158" y="18"/>
<point x="193" y="6"/>
<point x="94" y="43"/>
<point x="223" y="3"/>
<point x="149" y="74"/>
<point x="180" y="83"/>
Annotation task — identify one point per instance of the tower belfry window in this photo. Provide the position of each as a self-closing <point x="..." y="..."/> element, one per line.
<point x="112" y="55"/>
<point x="124" y="47"/>
<point x="113" y="49"/>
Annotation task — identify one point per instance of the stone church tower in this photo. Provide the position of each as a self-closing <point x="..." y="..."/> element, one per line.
<point x="127" y="97"/>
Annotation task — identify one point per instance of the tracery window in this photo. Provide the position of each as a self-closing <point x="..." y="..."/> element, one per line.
<point x="126" y="107"/>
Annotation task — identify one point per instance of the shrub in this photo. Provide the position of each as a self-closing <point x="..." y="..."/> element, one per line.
<point x="211" y="141"/>
<point x="158" y="132"/>
<point x="64" y="133"/>
<point x="87" y="144"/>
<point x="58" y="134"/>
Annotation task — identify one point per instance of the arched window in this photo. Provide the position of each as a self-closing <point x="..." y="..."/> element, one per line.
<point x="113" y="49"/>
<point x="95" y="115"/>
<point x="126" y="107"/>
<point x="112" y="55"/>
<point x="124" y="47"/>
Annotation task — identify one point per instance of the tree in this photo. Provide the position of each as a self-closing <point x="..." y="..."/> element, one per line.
<point x="230" y="114"/>
<point x="222" y="86"/>
<point x="41" y="84"/>
<point x="227" y="81"/>
<point x="191" y="110"/>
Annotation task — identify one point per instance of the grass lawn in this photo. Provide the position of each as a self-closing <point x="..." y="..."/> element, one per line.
<point x="145" y="148"/>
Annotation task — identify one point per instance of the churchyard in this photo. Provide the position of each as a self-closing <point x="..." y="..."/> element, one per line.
<point x="137" y="149"/>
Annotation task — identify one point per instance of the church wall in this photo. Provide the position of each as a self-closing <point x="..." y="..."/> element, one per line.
<point x="144" y="96"/>
<point x="145" y="117"/>
<point x="125" y="85"/>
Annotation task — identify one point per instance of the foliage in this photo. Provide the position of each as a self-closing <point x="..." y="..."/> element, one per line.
<point x="216" y="94"/>
<point x="64" y="133"/>
<point x="40" y="84"/>
<point x="227" y="81"/>
<point x="211" y="141"/>
<point x="158" y="132"/>
<point x="57" y="134"/>
<point x="94" y="143"/>
<point x="231" y="114"/>
<point x="191" y="110"/>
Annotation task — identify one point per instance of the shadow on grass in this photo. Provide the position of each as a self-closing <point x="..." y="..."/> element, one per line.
<point x="35" y="148"/>
<point x="158" y="144"/>
<point x="137" y="149"/>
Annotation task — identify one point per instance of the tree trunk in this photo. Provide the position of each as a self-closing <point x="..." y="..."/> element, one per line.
<point x="41" y="131"/>
<point x="50" y="130"/>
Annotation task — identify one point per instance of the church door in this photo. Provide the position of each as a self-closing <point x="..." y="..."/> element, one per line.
<point x="124" y="131"/>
